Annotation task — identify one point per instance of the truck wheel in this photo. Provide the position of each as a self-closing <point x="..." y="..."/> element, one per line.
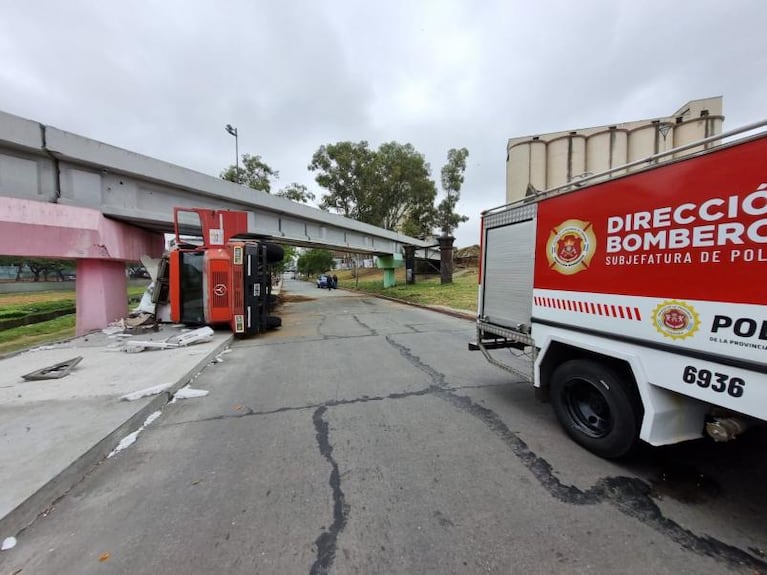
<point x="273" y="321"/>
<point x="596" y="408"/>
<point x="274" y="252"/>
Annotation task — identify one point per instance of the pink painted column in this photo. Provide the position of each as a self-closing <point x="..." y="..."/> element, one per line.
<point x="100" y="246"/>
<point x="101" y="294"/>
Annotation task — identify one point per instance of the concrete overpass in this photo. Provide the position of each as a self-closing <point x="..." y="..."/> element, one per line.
<point x="64" y="195"/>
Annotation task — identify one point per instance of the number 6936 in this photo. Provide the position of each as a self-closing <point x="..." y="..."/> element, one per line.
<point x="715" y="381"/>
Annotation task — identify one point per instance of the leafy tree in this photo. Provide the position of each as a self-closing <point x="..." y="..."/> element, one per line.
<point x="13" y="261"/>
<point x="419" y="224"/>
<point x="346" y="170"/>
<point x="253" y="172"/>
<point x="315" y="261"/>
<point x="46" y="266"/>
<point x="389" y="187"/>
<point x="297" y="193"/>
<point x="404" y="191"/>
<point x="452" y="179"/>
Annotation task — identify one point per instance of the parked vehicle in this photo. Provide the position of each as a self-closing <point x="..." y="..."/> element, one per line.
<point x="640" y="298"/>
<point x="323" y="281"/>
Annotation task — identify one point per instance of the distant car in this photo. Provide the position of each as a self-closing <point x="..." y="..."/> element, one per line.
<point x="323" y="281"/>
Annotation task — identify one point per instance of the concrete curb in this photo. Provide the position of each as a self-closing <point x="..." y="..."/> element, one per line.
<point x="46" y="497"/>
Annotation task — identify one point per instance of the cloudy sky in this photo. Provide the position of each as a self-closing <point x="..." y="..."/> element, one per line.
<point x="163" y="77"/>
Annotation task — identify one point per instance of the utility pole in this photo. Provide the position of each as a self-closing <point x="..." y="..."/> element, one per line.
<point x="233" y="132"/>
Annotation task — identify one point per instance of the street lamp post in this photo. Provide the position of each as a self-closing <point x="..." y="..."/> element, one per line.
<point x="233" y="132"/>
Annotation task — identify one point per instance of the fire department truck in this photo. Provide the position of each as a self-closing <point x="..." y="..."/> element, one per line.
<point x="641" y="295"/>
<point x="217" y="273"/>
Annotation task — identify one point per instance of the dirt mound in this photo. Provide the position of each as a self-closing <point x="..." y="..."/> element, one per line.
<point x="285" y="298"/>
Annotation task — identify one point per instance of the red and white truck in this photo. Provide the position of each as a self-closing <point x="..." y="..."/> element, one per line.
<point x="641" y="297"/>
<point x="217" y="273"/>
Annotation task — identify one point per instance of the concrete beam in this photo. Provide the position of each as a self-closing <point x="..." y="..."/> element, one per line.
<point x="39" y="162"/>
<point x="42" y="229"/>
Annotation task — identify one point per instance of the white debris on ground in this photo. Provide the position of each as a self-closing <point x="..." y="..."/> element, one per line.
<point x="200" y="335"/>
<point x="218" y="358"/>
<point x="113" y="330"/>
<point x="146" y="392"/>
<point x="125" y="443"/>
<point x="130" y="439"/>
<point x="44" y="348"/>
<point x="152" y="417"/>
<point x="8" y="543"/>
<point x="187" y="392"/>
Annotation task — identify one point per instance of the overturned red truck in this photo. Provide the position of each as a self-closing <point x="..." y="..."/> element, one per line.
<point x="217" y="273"/>
<point x="642" y="298"/>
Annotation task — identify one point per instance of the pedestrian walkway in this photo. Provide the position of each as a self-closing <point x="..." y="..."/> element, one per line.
<point x="53" y="430"/>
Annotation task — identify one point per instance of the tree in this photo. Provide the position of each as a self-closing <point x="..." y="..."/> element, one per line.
<point x="419" y="224"/>
<point x="345" y="169"/>
<point x="297" y="193"/>
<point x="315" y="261"/>
<point x="13" y="261"/>
<point x="253" y="172"/>
<point x="452" y="179"/>
<point x="404" y="191"/>
<point x="46" y="266"/>
<point x="390" y="187"/>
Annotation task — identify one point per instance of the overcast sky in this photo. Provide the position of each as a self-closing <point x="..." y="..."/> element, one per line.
<point x="164" y="77"/>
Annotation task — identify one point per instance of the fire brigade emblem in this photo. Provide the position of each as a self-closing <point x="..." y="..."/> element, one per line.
<point x="675" y="319"/>
<point x="571" y="246"/>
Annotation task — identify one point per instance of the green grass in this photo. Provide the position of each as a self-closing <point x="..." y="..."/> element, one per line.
<point x="25" y="309"/>
<point x="58" y="329"/>
<point x="460" y="295"/>
<point x="26" y="336"/>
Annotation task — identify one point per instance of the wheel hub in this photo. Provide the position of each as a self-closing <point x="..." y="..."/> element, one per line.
<point x="588" y="408"/>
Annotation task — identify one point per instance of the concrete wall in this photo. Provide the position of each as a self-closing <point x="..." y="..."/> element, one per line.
<point x="548" y="160"/>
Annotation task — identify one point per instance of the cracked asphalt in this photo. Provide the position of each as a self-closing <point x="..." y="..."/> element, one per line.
<point x="363" y="437"/>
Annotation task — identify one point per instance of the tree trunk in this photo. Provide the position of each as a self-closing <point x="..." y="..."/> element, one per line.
<point x="446" y="259"/>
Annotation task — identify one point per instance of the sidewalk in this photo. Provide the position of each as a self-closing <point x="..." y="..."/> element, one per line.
<point x="53" y="431"/>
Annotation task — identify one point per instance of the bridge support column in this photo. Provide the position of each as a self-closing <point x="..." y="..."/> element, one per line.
<point x="446" y="259"/>
<point x="389" y="264"/>
<point x="410" y="264"/>
<point x="101" y="293"/>
<point x="389" y="279"/>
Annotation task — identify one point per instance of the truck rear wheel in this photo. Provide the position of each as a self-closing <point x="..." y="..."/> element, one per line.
<point x="274" y="252"/>
<point x="596" y="408"/>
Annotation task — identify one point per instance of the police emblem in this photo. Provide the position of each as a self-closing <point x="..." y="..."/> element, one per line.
<point x="675" y="319"/>
<point x="571" y="246"/>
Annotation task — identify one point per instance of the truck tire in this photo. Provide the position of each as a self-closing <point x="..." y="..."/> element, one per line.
<point x="274" y="252"/>
<point x="273" y="321"/>
<point x="596" y="408"/>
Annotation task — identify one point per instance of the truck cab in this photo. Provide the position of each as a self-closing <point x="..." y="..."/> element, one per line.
<point x="217" y="274"/>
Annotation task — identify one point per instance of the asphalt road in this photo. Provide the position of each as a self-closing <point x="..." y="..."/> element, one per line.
<point x="363" y="437"/>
